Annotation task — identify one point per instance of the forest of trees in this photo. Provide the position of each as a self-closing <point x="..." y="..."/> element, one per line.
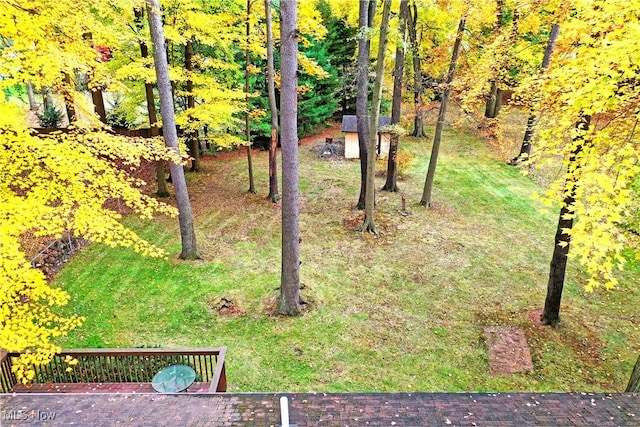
<point x="216" y="70"/>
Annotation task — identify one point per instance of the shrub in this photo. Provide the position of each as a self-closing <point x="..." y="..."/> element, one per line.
<point x="405" y="159"/>
<point x="50" y="117"/>
<point x="125" y="112"/>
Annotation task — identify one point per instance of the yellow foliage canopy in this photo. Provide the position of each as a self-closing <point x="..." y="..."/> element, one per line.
<point x="595" y="73"/>
<point x="58" y="182"/>
<point x="217" y="104"/>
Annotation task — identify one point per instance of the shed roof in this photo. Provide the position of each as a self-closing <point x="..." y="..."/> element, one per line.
<point x="349" y="123"/>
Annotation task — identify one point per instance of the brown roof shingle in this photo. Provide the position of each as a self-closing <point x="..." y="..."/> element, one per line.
<point x="350" y="123"/>
<point x="324" y="409"/>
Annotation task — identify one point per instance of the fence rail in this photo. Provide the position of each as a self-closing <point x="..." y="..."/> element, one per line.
<point x="121" y="365"/>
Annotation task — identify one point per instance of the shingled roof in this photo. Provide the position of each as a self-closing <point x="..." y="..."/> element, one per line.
<point x="324" y="409"/>
<point x="349" y="123"/>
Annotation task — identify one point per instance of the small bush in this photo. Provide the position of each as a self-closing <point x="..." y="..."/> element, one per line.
<point x="405" y="159"/>
<point x="50" y="117"/>
<point x="125" y="112"/>
<point x="120" y="117"/>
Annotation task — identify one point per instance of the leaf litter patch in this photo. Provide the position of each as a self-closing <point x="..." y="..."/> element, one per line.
<point x="226" y="306"/>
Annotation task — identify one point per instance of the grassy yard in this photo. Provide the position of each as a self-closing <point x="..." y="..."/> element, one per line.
<point x="403" y="311"/>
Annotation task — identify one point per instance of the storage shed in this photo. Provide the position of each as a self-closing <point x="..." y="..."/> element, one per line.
<point x="350" y="130"/>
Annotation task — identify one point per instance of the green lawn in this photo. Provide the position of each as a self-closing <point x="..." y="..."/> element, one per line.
<point x="403" y="311"/>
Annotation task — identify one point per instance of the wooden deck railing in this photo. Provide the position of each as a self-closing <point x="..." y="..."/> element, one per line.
<point x="122" y="365"/>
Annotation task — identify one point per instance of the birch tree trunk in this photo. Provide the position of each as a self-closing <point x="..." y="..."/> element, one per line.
<point x="289" y="302"/>
<point x="435" y="150"/>
<point x="187" y="232"/>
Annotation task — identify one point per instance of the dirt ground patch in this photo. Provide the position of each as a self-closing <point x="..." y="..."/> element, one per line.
<point x="508" y="350"/>
<point x="206" y="197"/>
<point x="331" y="131"/>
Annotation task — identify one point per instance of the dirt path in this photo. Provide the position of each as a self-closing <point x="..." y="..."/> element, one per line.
<point x="331" y="131"/>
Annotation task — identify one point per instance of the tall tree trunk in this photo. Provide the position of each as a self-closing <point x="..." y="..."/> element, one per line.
<point x="391" y="183"/>
<point x="67" y="93"/>
<point x="555" y="284"/>
<point x="499" y="14"/>
<point x="289" y="302"/>
<point x="418" y="87"/>
<point x="98" y="104"/>
<point x="551" y="313"/>
<point x="343" y="97"/>
<point x="370" y="199"/>
<point x="47" y="99"/>
<point x="247" y="124"/>
<point x="365" y="20"/>
<point x="634" y="380"/>
<point x="273" y="146"/>
<point x="96" y="90"/>
<point x="194" y="146"/>
<point x="525" y="149"/>
<point x="498" y="105"/>
<point x="435" y="150"/>
<point x="187" y="232"/>
<point x="163" y="189"/>
<point x="33" y="105"/>
<point x="493" y="102"/>
<point x="551" y="45"/>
